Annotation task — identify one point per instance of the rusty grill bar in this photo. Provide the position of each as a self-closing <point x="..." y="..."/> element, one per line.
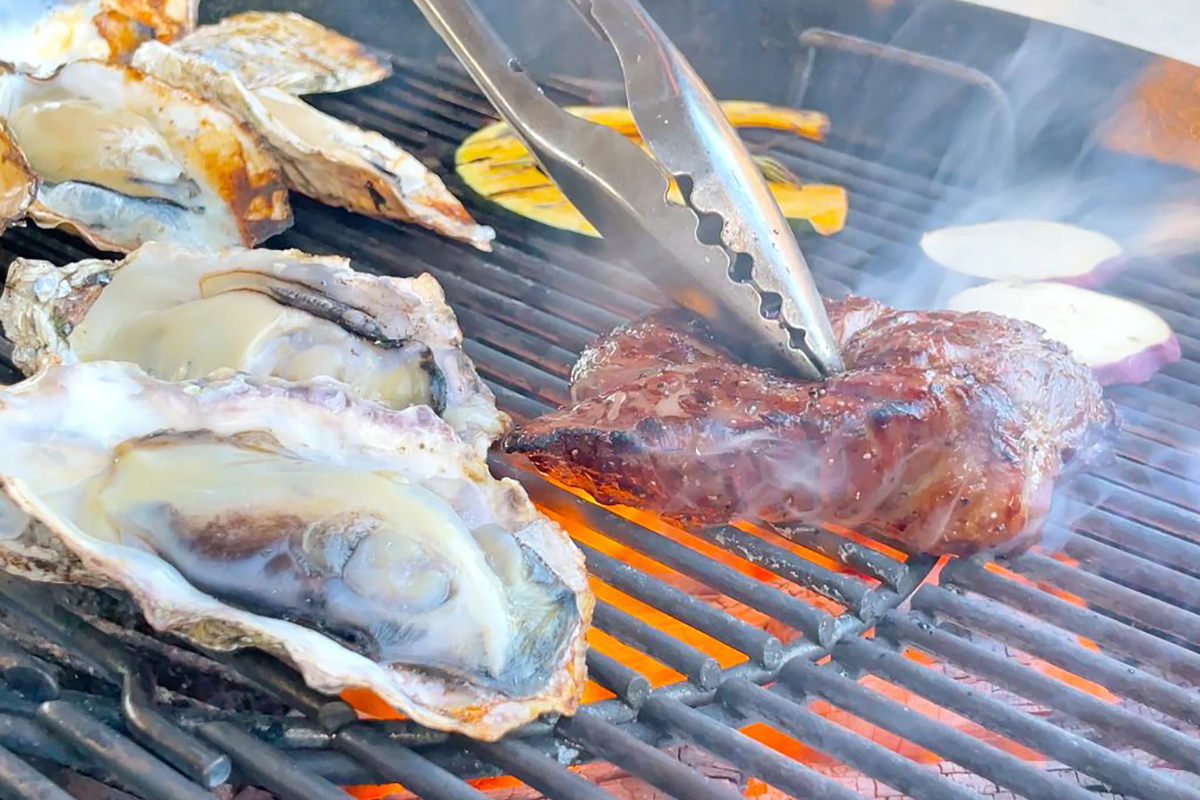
<point x="75" y="696"/>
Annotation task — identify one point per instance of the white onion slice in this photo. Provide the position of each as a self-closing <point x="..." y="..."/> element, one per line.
<point x="1026" y="250"/>
<point x="1121" y="341"/>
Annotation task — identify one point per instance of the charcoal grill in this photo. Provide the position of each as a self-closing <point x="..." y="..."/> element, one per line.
<point x="1049" y="675"/>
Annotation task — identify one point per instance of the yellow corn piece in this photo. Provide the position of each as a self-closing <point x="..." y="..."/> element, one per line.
<point x="496" y="165"/>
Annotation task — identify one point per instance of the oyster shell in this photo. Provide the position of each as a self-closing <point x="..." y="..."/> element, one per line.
<point x="18" y="184"/>
<point x="285" y="314"/>
<point x="286" y="51"/>
<point x="125" y="159"/>
<point x="323" y="157"/>
<point x="45" y="34"/>
<point x="369" y="548"/>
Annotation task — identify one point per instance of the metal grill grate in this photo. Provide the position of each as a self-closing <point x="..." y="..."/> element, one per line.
<point x="1119" y="615"/>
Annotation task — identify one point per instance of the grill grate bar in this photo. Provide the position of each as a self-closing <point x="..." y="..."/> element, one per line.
<point x="539" y="771"/>
<point x="27" y="739"/>
<point x="628" y="684"/>
<point x="749" y="639"/>
<point x="815" y="731"/>
<point x="125" y="759"/>
<point x="1139" y="509"/>
<point x="23" y="782"/>
<point x="1148" y="401"/>
<point x="981" y="758"/>
<point x="1163" y="432"/>
<point x="267" y="767"/>
<point x="701" y="668"/>
<point x="20" y="781"/>
<point x="851" y="593"/>
<point x="1168" y="658"/>
<point x="581" y="259"/>
<point x="873" y="563"/>
<point x="1146" y="734"/>
<point x="399" y="763"/>
<point x="1150" y="483"/>
<point x="515" y="374"/>
<point x="1057" y="647"/>
<point x="1126" y="568"/>
<point x="743" y="752"/>
<point x="619" y="747"/>
<point x="816" y="624"/>
<point x="1105" y="594"/>
<point x="285" y="684"/>
<point x="1149" y="454"/>
<point x="1121" y="773"/>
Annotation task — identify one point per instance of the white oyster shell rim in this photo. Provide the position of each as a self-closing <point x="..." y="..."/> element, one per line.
<point x="45" y="35"/>
<point x="76" y="401"/>
<point x="45" y="311"/>
<point x="287" y="51"/>
<point x="235" y="187"/>
<point x="323" y="157"/>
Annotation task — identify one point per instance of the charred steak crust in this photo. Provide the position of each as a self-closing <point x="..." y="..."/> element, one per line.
<point x="946" y="432"/>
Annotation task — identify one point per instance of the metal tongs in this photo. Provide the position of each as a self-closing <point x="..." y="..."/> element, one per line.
<point x="728" y="254"/>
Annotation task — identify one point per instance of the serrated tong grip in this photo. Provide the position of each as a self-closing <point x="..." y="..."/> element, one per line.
<point x="750" y="277"/>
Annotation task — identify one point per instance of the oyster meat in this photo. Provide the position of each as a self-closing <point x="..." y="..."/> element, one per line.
<point x="370" y="548"/>
<point x="180" y="314"/>
<point x="45" y="34"/>
<point x="286" y="51"/>
<point x="18" y="184"/>
<point x="125" y="159"/>
<point x="323" y="157"/>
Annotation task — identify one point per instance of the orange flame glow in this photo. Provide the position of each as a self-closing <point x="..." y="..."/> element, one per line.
<point x="659" y="674"/>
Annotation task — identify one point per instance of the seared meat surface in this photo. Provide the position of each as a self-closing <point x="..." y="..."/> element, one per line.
<point x="946" y="432"/>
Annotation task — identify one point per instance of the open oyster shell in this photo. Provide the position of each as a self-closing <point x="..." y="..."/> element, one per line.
<point x="286" y="51"/>
<point x="18" y="184"/>
<point x="45" y="34"/>
<point x="323" y="157"/>
<point x="286" y="314"/>
<point x="125" y="159"/>
<point x="369" y="548"/>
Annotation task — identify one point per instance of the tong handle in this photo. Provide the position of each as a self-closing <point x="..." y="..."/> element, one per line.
<point x="685" y="128"/>
<point x="610" y="180"/>
<point x="622" y="191"/>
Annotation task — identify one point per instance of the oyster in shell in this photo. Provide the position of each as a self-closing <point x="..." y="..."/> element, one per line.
<point x="370" y="548"/>
<point x="323" y="157"/>
<point x="18" y="184"/>
<point x="125" y="159"/>
<point x="45" y="34"/>
<point x="285" y="314"/>
<point x="286" y="51"/>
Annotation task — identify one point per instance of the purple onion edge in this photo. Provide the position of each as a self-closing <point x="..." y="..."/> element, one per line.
<point x="1140" y="366"/>
<point x="1098" y="275"/>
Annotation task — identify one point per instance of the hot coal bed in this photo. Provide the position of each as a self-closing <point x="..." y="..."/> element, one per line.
<point x="1068" y="672"/>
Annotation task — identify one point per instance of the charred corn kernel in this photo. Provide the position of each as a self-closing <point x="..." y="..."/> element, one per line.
<point x="497" y="166"/>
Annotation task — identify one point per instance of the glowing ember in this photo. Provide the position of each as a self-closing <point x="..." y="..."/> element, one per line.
<point x="659" y="674"/>
<point x="1052" y="671"/>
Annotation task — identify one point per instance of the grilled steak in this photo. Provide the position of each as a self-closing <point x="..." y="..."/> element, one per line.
<point x="946" y="432"/>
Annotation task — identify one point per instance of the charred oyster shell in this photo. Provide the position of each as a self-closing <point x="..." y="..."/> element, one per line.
<point x="45" y="34"/>
<point x="323" y="157"/>
<point x="18" y="184"/>
<point x="286" y="51"/>
<point x="286" y="314"/>
<point x="369" y="548"/>
<point x="125" y="159"/>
